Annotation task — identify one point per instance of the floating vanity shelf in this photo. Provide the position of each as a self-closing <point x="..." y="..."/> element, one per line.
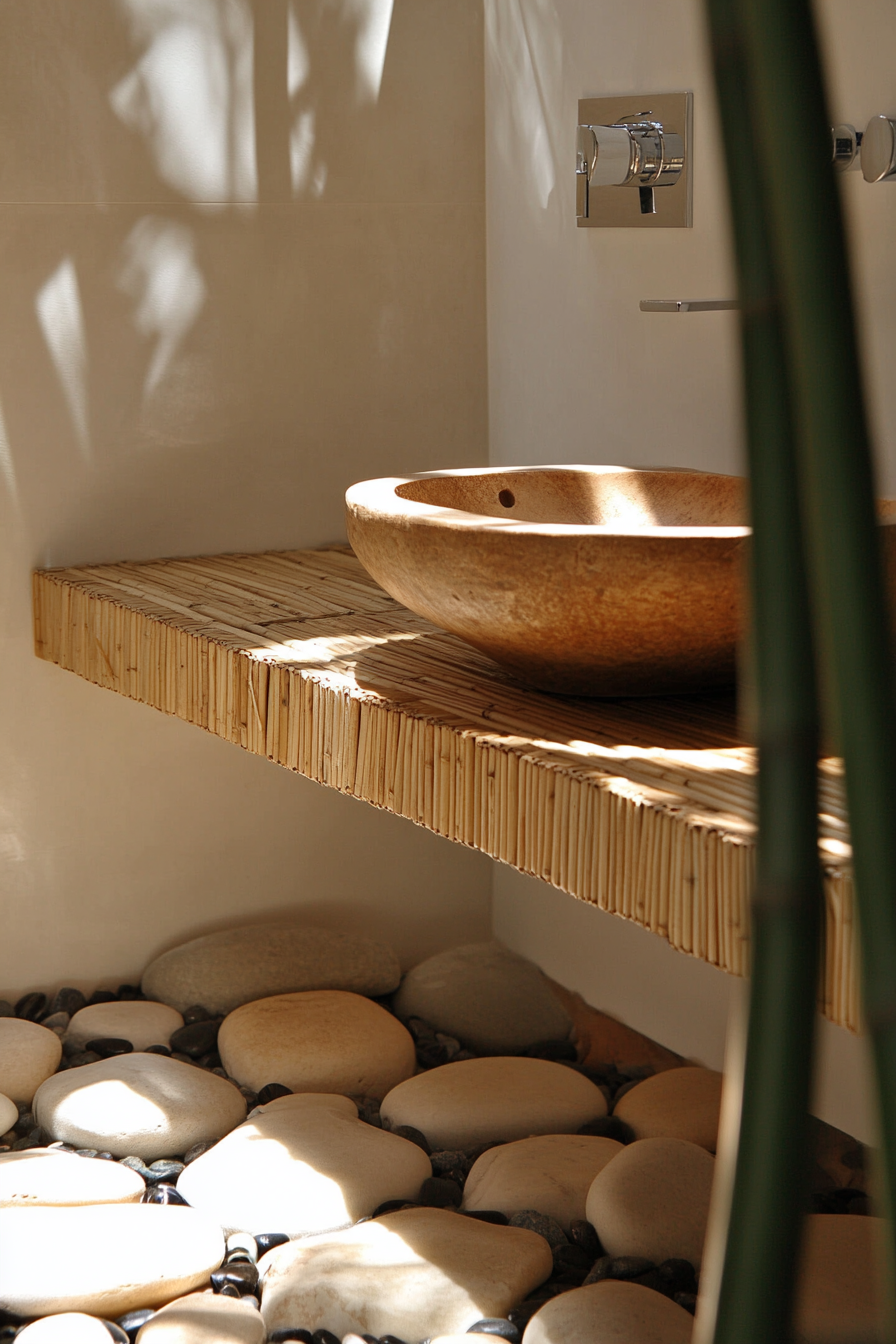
<point x="643" y="807"/>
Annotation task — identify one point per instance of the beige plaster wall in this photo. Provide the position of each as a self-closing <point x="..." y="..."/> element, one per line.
<point x="578" y="374"/>
<point x="241" y="266"/>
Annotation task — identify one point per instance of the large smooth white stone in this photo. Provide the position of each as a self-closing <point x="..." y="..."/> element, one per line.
<point x="611" y="1312"/>
<point x="493" y="1000"/>
<point x="105" y="1259"/>
<point x="9" y="1113"/>
<point x="68" y="1327"/>
<point x="551" y="1173"/>
<point x="204" y="1318"/>
<point x="652" y="1199"/>
<point x="478" y="1100"/>
<point x="675" y="1104"/>
<point x="146" y="1105"/>
<point x="29" y="1053"/>
<point x="321" y="1041"/>
<point x="840" y="1287"/>
<point x="236" y="966"/>
<point x="303" y="1164"/>
<point x="414" y="1274"/>
<point x="140" y="1023"/>
<point x="45" y="1176"/>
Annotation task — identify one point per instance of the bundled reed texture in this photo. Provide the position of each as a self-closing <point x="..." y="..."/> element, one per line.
<point x="643" y="807"/>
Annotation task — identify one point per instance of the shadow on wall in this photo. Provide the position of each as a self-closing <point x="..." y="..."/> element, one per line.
<point x="217" y="221"/>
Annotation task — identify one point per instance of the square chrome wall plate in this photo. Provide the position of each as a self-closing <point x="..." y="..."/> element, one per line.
<point x="667" y="205"/>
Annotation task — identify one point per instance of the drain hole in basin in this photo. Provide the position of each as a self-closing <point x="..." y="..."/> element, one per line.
<point x="507" y="498"/>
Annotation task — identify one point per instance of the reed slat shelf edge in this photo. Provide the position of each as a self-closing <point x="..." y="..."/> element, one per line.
<point x="642" y="807"/>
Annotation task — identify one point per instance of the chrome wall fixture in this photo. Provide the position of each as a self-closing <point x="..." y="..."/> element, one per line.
<point x="640" y="143"/>
<point x="878" y="150"/>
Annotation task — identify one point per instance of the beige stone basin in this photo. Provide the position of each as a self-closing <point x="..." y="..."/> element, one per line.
<point x="603" y="581"/>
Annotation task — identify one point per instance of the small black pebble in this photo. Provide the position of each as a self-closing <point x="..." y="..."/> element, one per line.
<point x="196" y="1014"/>
<point x="69" y="1001"/>
<point x="130" y="992"/>
<point x="679" y="1276"/>
<point x="496" y="1325"/>
<point x="229" y="1290"/>
<point x="271" y="1091"/>
<point x="84" y="1057"/>
<point x="290" y="1332"/>
<point x="521" y="1316"/>
<point x="558" y="1051"/>
<point x="132" y="1321"/>
<point x="30" y="1006"/>
<point x="582" y="1233"/>
<point x="325" y="1337"/>
<point x="266" y="1241"/>
<point x="608" y="1127"/>
<point x="107" y="1047"/>
<point x="6" y="1008"/>
<point x="25" y="1123"/>
<point x="120" y="1336"/>
<point x="102" y="996"/>
<point x="164" y="1171"/>
<point x="85" y="1152"/>
<point x="241" y="1273"/>
<point x="106" y="1157"/>
<point x="687" y="1300"/>
<point x="162" y="1194"/>
<point x="8" y="1332"/>
<point x="487" y="1216"/>
<point x="572" y="1261"/>
<point x="619" y="1267"/>
<point x="413" y="1136"/>
<point x="157" y="1050"/>
<point x="386" y="1339"/>
<point x="438" y="1193"/>
<point x="197" y="1150"/>
<point x="210" y="1061"/>
<point x="195" y="1040"/>
<point x="391" y="1205"/>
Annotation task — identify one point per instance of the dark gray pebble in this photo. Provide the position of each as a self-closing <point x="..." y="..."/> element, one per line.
<point x="582" y="1233"/>
<point x="120" y="1336"/>
<point x="86" y="1152"/>
<point x="196" y="1014"/>
<point x="608" y="1127"/>
<point x="164" y="1170"/>
<point x="687" y="1300"/>
<point x="6" y="1008"/>
<point x="102" y="996"/>
<point x="413" y="1136"/>
<point x="36" y="1139"/>
<point x="438" y="1193"/>
<point x="230" y="1290"/>
<point x="69" y="1001"/>
<point x="271" y="1091"/>
<point x="619" y="1267"/>
<point x="157" y="1050"/>
<point x="105" y="1157"/>
<point x="325" y="1337"/>
<point x="26" y="1120"/>
<point x="266" y="1241"/>
<point x="571" y="1262"/>
<point x="30" y="1006"/>
<point x="211" y="1061"/>
<point x="560" y="1052"/>
<point x="250" y="1097"/>
<point x="368" y="1110"/>
<point x="289" y="1333"/>
<point x="496" y="1325"/>
<point x="107" y="1047"/>
<point x="542" y="1223"/>
<point x="384" y="1339"/>
<point x="392" y="1206"/>
<point x="451" y="1163"/>
<point x="83" y="1057"/>
<point x="128" y="993"/>
<point x="197" y="1150"/>
<point x="133" y="1320"/>
<point x="195" y="1040"/>
<point x="162" y="1194"/>
<point x="678" y="1276"/>
<point x="241" y="1273"/>
<point x="8" y="1332"/>
<point x="134" y="1163"/>
<point x="59" y="1146"/>
<point x="181" y="1057"/>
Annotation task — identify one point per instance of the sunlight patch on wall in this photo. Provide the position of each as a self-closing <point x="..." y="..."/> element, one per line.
<point x="7" y="466"/>
<point x="61" y="318"/>
<point x="524" y="42"/>
<point x="374" y="20"/>
<point x="161" y="275"/>
<point x="190" y="95"/>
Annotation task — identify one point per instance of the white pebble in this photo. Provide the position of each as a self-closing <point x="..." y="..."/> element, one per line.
<point x="9" y="1114"/>
<point x="45" y="1176"/>
<point x="67" y="1327"/>
<point x="132" y="1020"/>
<point x="204" y="1318"/>
<point x="28" y="1054"/>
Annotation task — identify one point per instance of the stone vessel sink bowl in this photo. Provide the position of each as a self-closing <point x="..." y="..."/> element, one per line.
<point x="601" y="581"/>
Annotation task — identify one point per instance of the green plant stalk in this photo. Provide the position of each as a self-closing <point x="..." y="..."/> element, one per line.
<point x="755" y="1295"/>
<point x="837" y="488"/>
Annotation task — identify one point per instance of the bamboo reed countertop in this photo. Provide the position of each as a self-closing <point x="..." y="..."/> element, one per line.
<point x="644" y="807"/>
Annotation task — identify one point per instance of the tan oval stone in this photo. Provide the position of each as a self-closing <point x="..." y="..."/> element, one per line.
<point x="414" y="1274"/>
<point x="840" y="1293"/>
<point x="45" y="1176"/>
<point x="234" y="966"/>
<point x="303" y="1164"/>
<point x="611" y="1312"/>
<point x="146" y="1105"/>
<point x="104" y="1259"/>
<point x="551" y="1173"/>
<point x="9" y="1113"/>
<point x="319" y="1041"/>
<point x="29" y="1053"/>
<point x="204" y="1318"/>
<point x="140" y="1023"/>
<point x="67" y="1327"/>
<point x="478" y="1100"/>
<point x="652" y="1199"/>
<point x="675" y="1104"/>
